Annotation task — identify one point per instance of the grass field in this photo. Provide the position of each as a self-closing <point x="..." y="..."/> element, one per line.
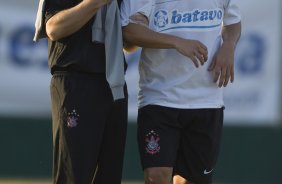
<point x="18" y="181"/>
<point x="25" y="181"/>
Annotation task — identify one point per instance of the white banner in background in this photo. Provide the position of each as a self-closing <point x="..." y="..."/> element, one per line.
<point x="24" y="75"/>
<point x="255" y="96"/>
<point x="253" y="99"/>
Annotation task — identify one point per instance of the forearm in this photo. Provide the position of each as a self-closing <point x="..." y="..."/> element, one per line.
<point x="231" y="34"/>
<point x="142" y="36"/>
<point x="135" y="34"/>
<point x="71" y="20"/>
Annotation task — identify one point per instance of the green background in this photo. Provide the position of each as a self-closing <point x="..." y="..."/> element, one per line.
<point x="248" y="154"/>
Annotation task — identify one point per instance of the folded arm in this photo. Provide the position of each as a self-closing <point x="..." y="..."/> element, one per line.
<point x="137" y="34"/>
<point x="67" y="22"/>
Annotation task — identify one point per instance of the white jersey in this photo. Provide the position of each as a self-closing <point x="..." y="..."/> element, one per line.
<point x="168" y="78"/>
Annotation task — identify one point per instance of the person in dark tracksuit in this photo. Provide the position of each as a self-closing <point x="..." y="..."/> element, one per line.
<point x="89" y="102"/>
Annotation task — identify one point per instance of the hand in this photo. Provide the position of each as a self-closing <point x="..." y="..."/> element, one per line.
<point x="222" y="65"/>
<point x="192" y="49"/>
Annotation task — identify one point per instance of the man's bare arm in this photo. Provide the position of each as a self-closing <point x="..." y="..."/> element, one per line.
<point x="69" y="21"/>
<point x="140" y="19"/>
<point x="222" y="65"/>
<point x="142" y="36"/>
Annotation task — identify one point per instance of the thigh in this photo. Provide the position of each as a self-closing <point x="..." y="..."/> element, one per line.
<point x="158" y="136"/>
<point x="80" y="107"/>
<point x="200" y="143"/>
<point x="110" y="162"/>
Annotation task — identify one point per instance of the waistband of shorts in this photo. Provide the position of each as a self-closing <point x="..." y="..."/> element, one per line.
<point x="78" y="74"/>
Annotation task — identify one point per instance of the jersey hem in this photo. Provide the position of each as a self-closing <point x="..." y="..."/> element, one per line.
<point x="188" y="106"/>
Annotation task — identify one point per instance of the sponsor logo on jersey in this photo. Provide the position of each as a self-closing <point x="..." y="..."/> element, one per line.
<point x="196" y="19"/>
<point x="161" y="19"/>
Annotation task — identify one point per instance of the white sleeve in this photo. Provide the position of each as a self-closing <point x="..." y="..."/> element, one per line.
<point x="125" y="9"/>
<point x="231" y="12"/>
<point x="131" y="7"/>
<point x="145" y="7"/>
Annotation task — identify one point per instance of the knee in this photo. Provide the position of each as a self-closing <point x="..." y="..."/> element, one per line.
<point x="158" y="175"/>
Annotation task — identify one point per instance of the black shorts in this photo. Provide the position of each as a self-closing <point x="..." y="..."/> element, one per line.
<point x="186" y="139"/>
<point x="89" y="129"/>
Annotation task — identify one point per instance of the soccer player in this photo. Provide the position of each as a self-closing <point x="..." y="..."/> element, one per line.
<point x="88" y="92"/>
<point x="187" y="57"/>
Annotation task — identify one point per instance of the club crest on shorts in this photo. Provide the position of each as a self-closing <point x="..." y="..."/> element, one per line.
<point x="72" y="119"/>
<point x="152" y="139"/>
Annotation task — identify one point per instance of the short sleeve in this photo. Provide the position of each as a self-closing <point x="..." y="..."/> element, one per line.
<point x="51" y="9"/>
<point x="231" y="12"/>
<point x="131" y="7"/>
<point x="145" y="7"/>
<point x="54" y="6"/>
<point x="125" y="12"/>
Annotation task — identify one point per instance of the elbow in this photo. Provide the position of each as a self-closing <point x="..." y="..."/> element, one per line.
<point x="128" y="45"/>
<point x="129" y="33"/>
<point x="51" y="37"/>
<point x="130" y="48"/>
<point x="126" y="36"/>
<point x="52" y="32"/>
